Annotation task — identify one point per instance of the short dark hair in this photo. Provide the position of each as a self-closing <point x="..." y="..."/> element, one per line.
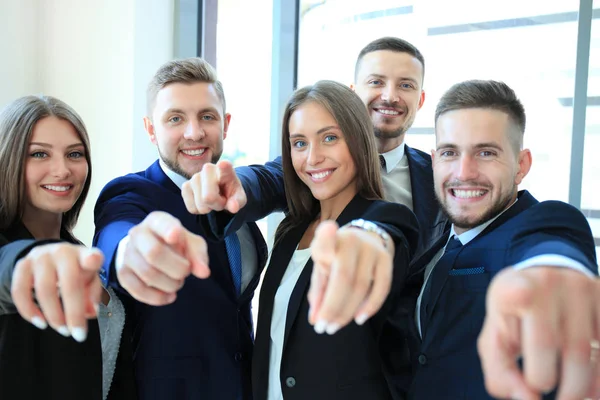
<point x="489" y="94"/>
<point x="392" y="44"/>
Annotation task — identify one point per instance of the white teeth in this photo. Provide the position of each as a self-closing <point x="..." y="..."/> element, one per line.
<point x="194" y="152"/>
<point x="467" y="194"/>
<point x="389" y="112"/>
<point x="57" y="188"/>
<point x="321" y="175"/>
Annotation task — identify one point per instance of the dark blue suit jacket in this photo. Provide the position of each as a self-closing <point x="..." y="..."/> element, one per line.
<point x="265" y="191"/>
<point x="446" y="364"/>
<point x="200" y="346"/>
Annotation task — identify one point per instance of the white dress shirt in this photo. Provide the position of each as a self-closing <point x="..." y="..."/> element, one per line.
<point x="280" y="308"/>
<point x="393" y="157"/>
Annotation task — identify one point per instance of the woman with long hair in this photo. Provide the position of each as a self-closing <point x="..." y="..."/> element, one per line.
<point x="47" y="276"/>
<point x="331" y="172"/>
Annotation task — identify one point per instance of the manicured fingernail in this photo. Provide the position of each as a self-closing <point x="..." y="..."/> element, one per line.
<point x="320" y="326"/>
<point x="332" y="328"/>
<point x="63" y="330"/>
<point x="361" y="319"/>
<point x="39" y="323"/>
<point x="79" y="334"/>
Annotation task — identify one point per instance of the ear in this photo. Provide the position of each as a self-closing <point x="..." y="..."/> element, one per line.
<point x="226" y="121"/>
<point x="524" y="165"/>
<point x="421" y="100"/>
<point x="432" y="155"/>
<point x="353" y="87"/>
<point x="149" y="127"/>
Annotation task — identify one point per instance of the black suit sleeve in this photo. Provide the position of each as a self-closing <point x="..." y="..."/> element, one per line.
<point x="265" y="191"/>
<point x="10" y="253"/>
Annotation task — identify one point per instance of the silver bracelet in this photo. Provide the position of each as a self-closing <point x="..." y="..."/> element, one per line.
<point x="371" y="227"/>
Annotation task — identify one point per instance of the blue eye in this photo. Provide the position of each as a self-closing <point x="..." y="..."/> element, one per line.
<point x="175" y="120"/>
<point x="39" y="154"/>
<point x="76" y="154"/>
<point x="208" y="117"/>
<point x="486" y="153"/>
<point x="330" y="138"/>
<point x="299" y="143"/>
<point x="375" y="82"/>
<point x="407" y="86"/>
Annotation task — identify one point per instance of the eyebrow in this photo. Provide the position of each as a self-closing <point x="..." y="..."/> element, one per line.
<point x="489" y="145"/>
<point x="320" y="131"/>
<point x="180" y="111"/>
<point x="49" y="146"/>
<point x="402" y="78"/>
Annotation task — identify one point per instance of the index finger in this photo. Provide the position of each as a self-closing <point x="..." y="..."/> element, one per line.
<point x="166" y="227"/>
<point x="323" y="245"/>
<point x="22" y="294"/>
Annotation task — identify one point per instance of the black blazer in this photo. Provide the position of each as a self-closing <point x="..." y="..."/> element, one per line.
<point x="41" y="364"/>
<point x="347" y="365"/>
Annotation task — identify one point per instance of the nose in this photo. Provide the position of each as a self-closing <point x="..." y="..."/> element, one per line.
<point x="194" y="131"/>
<point x="315" y="155"/>
<point x="467" y="168"/>
<point x="390" y="94"/>
<point x="60" y="168"/>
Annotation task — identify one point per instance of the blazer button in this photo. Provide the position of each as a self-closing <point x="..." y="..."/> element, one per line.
<point x="422" y="359"/>
<point x="290" y="382"/>
<point x="238" y="356"/>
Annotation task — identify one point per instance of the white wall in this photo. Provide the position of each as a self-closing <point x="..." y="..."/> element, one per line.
<point x="18" y="49"/>
<point x="97" y="56"/>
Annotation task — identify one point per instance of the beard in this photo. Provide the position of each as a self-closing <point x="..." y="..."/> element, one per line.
<point x="381" y="134"/>
<point x="467" y="223"/>
<point x="174" y="166"/>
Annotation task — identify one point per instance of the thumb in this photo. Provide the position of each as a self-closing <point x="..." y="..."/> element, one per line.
<point x="323" y="245"/>
<point x="90" y="259"/>
<point x="510" y="293"/>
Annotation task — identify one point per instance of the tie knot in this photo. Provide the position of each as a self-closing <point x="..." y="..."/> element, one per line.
<point x="382" y="161"/>
<point x="453" y="244"/>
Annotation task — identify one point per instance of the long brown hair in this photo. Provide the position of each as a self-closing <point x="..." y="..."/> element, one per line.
<point x="353" y="120"/>
<point x="17" y="121"/>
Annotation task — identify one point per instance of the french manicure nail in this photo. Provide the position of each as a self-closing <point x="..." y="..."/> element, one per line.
<point x="39" y="323"/>
<point x="332" y="328"/>
<point x="63" y="330"/>
<point x="361" y="319"/>
<point x="79" y="334"/>
<point x="320" y="326"/>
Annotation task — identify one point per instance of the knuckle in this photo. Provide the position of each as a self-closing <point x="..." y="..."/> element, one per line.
<point x="153" y="254"/>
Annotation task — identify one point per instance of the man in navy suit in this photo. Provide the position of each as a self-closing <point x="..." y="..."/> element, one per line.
<point x="198" y="344"/>
<point x="544" y="307"/>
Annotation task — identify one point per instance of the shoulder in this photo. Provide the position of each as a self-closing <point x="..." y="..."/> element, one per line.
<point x="417" y="154"/>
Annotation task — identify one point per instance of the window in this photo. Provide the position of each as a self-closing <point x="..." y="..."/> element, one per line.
<point x="529" y="45"/>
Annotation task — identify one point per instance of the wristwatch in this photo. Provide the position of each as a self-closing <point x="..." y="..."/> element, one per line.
<point x="371" y="227"/>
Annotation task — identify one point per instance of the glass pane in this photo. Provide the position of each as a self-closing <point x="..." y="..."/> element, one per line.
<point x="590" y="188"/>
<point x="244" y="68"/>
<point x="530" y="45"/>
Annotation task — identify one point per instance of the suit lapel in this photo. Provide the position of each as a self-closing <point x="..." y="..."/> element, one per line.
<point x="427" y="210"/>
<point x="354" y="209"/>
<point x="439" y="276"/>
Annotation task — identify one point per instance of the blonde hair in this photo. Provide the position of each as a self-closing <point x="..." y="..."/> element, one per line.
<point x="188" y="70"/>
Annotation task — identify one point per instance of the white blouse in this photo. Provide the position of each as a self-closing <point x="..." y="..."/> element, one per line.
<point x="280" y="308"/>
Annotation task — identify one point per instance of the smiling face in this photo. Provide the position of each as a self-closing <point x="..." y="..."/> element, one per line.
<point x="390" y="84"/>
<point x="188" y="126"/>
<point x="476" y="170"/>
<point x="56" y="168"/>
<point x="320" y="154"/>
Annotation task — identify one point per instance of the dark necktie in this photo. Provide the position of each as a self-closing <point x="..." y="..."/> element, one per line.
<point x="440" y="267"/>
<point x="382" y="162"/>
<point x="234" y="253"/>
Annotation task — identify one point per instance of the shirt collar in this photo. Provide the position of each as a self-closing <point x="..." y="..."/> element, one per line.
<point x="393" y="157"/>
<point x="471" y="234"/>
<point x="175" y="177"/>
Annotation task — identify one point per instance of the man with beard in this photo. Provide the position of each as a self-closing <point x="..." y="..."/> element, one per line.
<point x="544" y="306"/>
<point x="198" y="345"/>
